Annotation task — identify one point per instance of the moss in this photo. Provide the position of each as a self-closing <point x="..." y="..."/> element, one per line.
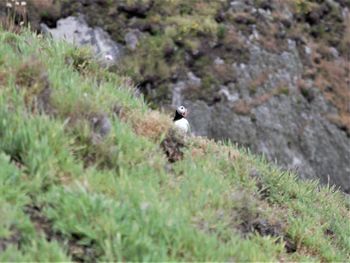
<point x="253" y="89"/>
<point x="303" y="6"/>
<point x="81" y="59"/>
<point x="283" y="91"/>
<point x="208" y="82"/>
<point x="32" y="81"/>
<point x="192" y="45"/>
<point x="202" y="62"/>
<point x="148" y="62"/>
<point x="221" y="32"/>
<point x="307" y="93"/>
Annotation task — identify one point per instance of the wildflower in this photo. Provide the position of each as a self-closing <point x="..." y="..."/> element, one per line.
<point x="9" y="5"/>
<point x="21" y="23"/>
<point x="17" y="3"/>
<point x="109" y="57"/>
<point x="144" y="206"/>
<point x="23" y="3"/>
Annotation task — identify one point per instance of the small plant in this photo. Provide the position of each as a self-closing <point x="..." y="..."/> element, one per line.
<point x="17" y="14"/>
<point x="283" y="91"/>
<point x="221" y="31"/>
<point x="303" y="6"/>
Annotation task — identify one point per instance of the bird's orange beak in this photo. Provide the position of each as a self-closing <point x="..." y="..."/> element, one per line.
<point x="185" y="113"/>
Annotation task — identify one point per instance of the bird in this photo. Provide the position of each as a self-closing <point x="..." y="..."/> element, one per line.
<point x="180" y="121"/>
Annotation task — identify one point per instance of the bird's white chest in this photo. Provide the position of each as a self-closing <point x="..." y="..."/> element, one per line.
<point x="182" y="125"/>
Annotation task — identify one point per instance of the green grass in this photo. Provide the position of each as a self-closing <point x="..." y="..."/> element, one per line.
<point x="117" y="197"/>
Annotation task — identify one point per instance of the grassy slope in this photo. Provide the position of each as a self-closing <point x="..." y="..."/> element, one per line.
<point x="66" y="193"/>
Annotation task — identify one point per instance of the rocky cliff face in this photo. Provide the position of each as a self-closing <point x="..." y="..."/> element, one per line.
<point x="270" y="75"/>
<point x="278" y="120"/>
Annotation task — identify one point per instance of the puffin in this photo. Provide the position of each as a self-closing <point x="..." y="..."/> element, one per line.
<point x="180" y="121"/>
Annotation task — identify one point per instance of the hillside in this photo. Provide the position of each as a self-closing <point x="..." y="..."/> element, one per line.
<point x="89" y="172"/>
<point x="270" y="75"/>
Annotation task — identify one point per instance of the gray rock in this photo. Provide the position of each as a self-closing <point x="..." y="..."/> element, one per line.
<point x="334" y="52"/>
<point x="265" y="13"/>
<point x="102" y="125"/>
<point x="219" y="61"/>
<point x="308" y="51"/>
<point x="132" y="39"/>
<point x="191" y="81"/>
<point x="226" y="95"/>
<point x="177" y="93"/>
<point x="76" y="31"/>
<point x="199" y="113"/>
<point x="239" y="6"/>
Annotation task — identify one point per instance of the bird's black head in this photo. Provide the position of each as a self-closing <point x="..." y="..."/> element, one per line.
<point x="180" y="113"/>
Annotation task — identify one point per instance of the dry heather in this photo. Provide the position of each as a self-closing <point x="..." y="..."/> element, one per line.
<point x="150" y="124"/>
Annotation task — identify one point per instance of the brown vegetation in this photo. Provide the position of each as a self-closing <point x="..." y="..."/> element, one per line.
<point x="244" y="107"/>
<point x="150" y="124"/>
<point x="32" y="80"/>
<point x="334" y="81"/>
<point x="259" y="81"/>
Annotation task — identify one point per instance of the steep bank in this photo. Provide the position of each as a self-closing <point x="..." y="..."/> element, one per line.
<point x="89" y="172"/>
<point x="270" y="75"/>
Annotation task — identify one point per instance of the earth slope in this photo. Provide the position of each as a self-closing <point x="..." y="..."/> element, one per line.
<point x="90" y="173"/>
<point x="270" y="75"/>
